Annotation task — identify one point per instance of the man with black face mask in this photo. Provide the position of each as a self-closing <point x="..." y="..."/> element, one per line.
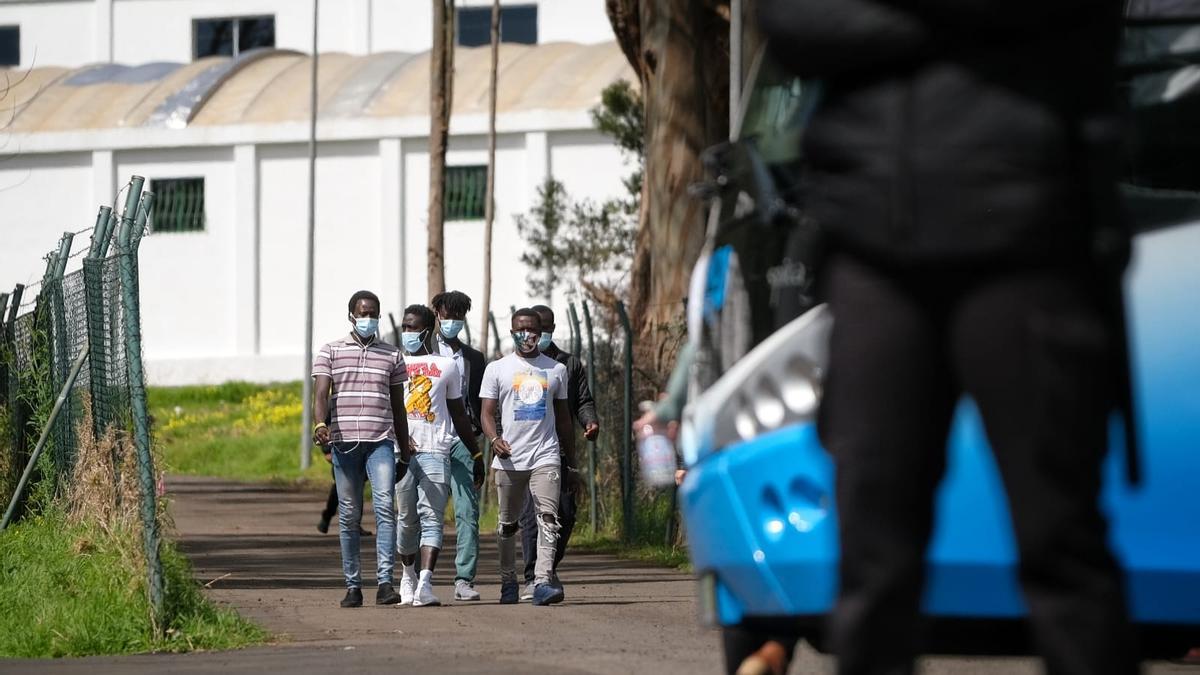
<point x="531" y="391"/>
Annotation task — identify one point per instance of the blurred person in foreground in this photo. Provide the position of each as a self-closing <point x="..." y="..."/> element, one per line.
<point x="962" y="166"/>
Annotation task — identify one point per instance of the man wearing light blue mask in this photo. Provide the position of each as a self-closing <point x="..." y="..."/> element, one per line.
<point x="437" y="420"/>
<point x="364" y="379"/>
<point x="466" y="465"/>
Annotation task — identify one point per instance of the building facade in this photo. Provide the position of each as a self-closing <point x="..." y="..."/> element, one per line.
<point x="223" y="142"/>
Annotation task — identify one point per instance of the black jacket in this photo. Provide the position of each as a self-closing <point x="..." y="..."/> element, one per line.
<point x="579" y="394"/>
<point x="954" y="130"/>
<point x="475" y="366"/>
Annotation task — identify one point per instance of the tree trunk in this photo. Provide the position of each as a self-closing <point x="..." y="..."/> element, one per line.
<point x="441" y="88"/>
<point x="680" y="50"/>
<point x="490" y="190"/>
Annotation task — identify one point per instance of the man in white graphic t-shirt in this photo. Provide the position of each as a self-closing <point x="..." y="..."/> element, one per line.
<point x="433" y="399"/>
<point x="531" y="390"/>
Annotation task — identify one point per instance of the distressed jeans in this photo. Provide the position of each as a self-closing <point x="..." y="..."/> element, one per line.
<point x="542" y="485"/>
<point x="353" y="465"/>
<point x="421" y="502"/>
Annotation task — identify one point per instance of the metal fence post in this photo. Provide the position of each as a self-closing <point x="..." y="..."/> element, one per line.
<point x="93" y="291"/>
<point x="591" y="372"/>
<point x="59" y="366"/>
<point x="495" y="331"/>
<point x="17" y="408"/>
<point x="626" y="429"/>
<point x="127" y="250"/>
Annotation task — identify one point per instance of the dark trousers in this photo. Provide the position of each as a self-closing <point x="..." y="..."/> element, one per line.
<point x="331" y="502"/>
<point x="529" y="529"/>
<point x="1034" y="351"/>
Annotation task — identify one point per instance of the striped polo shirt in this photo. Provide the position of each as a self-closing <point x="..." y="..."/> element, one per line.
<point x="361" y="409"/>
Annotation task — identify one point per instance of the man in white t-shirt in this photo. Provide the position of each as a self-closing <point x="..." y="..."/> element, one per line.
<point x="433" y="400"/>
<point x="531" y="390"/>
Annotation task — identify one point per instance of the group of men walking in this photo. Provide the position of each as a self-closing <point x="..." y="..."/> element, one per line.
<point x="409" y="420"/>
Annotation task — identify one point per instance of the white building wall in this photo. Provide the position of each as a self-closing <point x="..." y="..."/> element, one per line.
<point x="53" y="33"/>
<point x="42" y="196"/>
<point x="77" y="32"/>
<point x="187" y="277"/>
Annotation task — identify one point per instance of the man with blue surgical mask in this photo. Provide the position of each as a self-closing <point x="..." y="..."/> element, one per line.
<point x="359" y="388"/>
<point x="466" y="465"/>
<point x="437" y="420"/>
<point x="583" y="410"/>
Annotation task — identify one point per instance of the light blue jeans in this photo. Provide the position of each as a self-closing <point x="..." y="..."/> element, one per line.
<point x="421" y="500"/>
<point x="353" y="465"/>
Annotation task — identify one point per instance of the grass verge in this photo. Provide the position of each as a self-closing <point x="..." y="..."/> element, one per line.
<point x="74" y="589"/>
<point x="236" y="430"/>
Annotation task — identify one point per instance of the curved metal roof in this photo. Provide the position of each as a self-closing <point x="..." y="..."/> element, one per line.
<point x="266" y="86"/>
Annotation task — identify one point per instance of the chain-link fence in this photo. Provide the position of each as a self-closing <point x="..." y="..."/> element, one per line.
<point x="67" y="427"/>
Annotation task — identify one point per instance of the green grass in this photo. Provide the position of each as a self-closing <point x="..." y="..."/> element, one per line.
<point x="236" y="430"/>
<point x="74" y="590"/>
<point x="655" y="554"/>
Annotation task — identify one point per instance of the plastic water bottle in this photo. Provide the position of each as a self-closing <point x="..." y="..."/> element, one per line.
<point x="657" y="455"/>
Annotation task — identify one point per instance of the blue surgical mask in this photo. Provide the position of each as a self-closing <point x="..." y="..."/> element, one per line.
<point x="412" y="342"/>
<point x="451" y="328"/>
<point x="365" y="326"/>
<point x="544" y="341"/>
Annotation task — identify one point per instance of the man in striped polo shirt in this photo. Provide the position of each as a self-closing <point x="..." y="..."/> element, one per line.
<point x="364" y="378"/>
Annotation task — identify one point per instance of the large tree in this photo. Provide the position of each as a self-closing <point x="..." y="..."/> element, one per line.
<point x="680" y="52"/>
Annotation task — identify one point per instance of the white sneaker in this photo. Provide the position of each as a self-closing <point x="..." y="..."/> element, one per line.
<point x="465" y="590"/>
<point x="408" y="583"/>
<point x="527" y="594"/>
<point x="424" y="596"/>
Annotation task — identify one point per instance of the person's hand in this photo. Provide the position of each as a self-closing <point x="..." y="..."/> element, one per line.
<point x="591" y="430"/>
<point x="328" y="455"/>
<point x="648" y="418"/>
<point x="501" y="448"/>
<point x="477" y="470"/>
<point x="321" y="435"/>
<point x="680" y="474"/>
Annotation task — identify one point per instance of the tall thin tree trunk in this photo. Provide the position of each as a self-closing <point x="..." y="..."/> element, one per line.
<point x="489" y="207"/>
<point x="441" y="90"/>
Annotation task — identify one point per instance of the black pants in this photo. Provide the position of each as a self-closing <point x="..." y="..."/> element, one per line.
<point x="331" y="502"/>
<point x="529" y="528"/>
<point x="1033" y="350"/>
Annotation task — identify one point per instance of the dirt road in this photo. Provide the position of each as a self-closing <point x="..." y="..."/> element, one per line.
<point x="258" y="549"/>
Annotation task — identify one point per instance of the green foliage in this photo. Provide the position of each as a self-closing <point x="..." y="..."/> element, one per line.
<point x="235" y="430"/>
<point x="541" y="229"/>
<point x="621" y="115"/>
<point x="77" y="589"/>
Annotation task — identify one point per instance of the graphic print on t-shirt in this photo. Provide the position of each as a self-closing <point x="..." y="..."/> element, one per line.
<point x="530" y="389"/>
<point x="418" y="401"/>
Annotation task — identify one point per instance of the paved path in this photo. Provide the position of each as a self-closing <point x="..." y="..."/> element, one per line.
<point x="258" y="548"/>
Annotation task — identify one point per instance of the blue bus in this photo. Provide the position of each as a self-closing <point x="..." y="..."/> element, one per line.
<point x="758" y="497"/>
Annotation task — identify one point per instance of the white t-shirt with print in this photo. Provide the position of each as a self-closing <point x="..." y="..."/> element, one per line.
<point x="526" y="389"/>
<point x="432" y="379"/>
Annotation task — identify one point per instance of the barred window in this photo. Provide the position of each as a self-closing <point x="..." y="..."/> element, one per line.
<point x="465" y="188"/>
<point x="178" y="205"/>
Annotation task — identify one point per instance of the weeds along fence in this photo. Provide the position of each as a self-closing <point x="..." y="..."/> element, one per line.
<point x="74" y="430"/>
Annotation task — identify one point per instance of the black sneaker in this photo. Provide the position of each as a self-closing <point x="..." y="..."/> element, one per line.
<point x="386" y="595"/>
<point x="353" y="598"/>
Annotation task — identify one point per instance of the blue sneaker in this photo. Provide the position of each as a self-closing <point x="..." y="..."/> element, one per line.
<point x="509" y="593"/>
<point x="546" y="594"/>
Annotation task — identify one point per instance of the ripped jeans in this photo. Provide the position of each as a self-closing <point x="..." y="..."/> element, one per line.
<point x="542" y="484"/>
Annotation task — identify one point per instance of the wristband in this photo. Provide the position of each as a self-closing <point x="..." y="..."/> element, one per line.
<point x="477" y="456"/>
<point x="319" y="425"/>
<point x="493" y="441"/>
